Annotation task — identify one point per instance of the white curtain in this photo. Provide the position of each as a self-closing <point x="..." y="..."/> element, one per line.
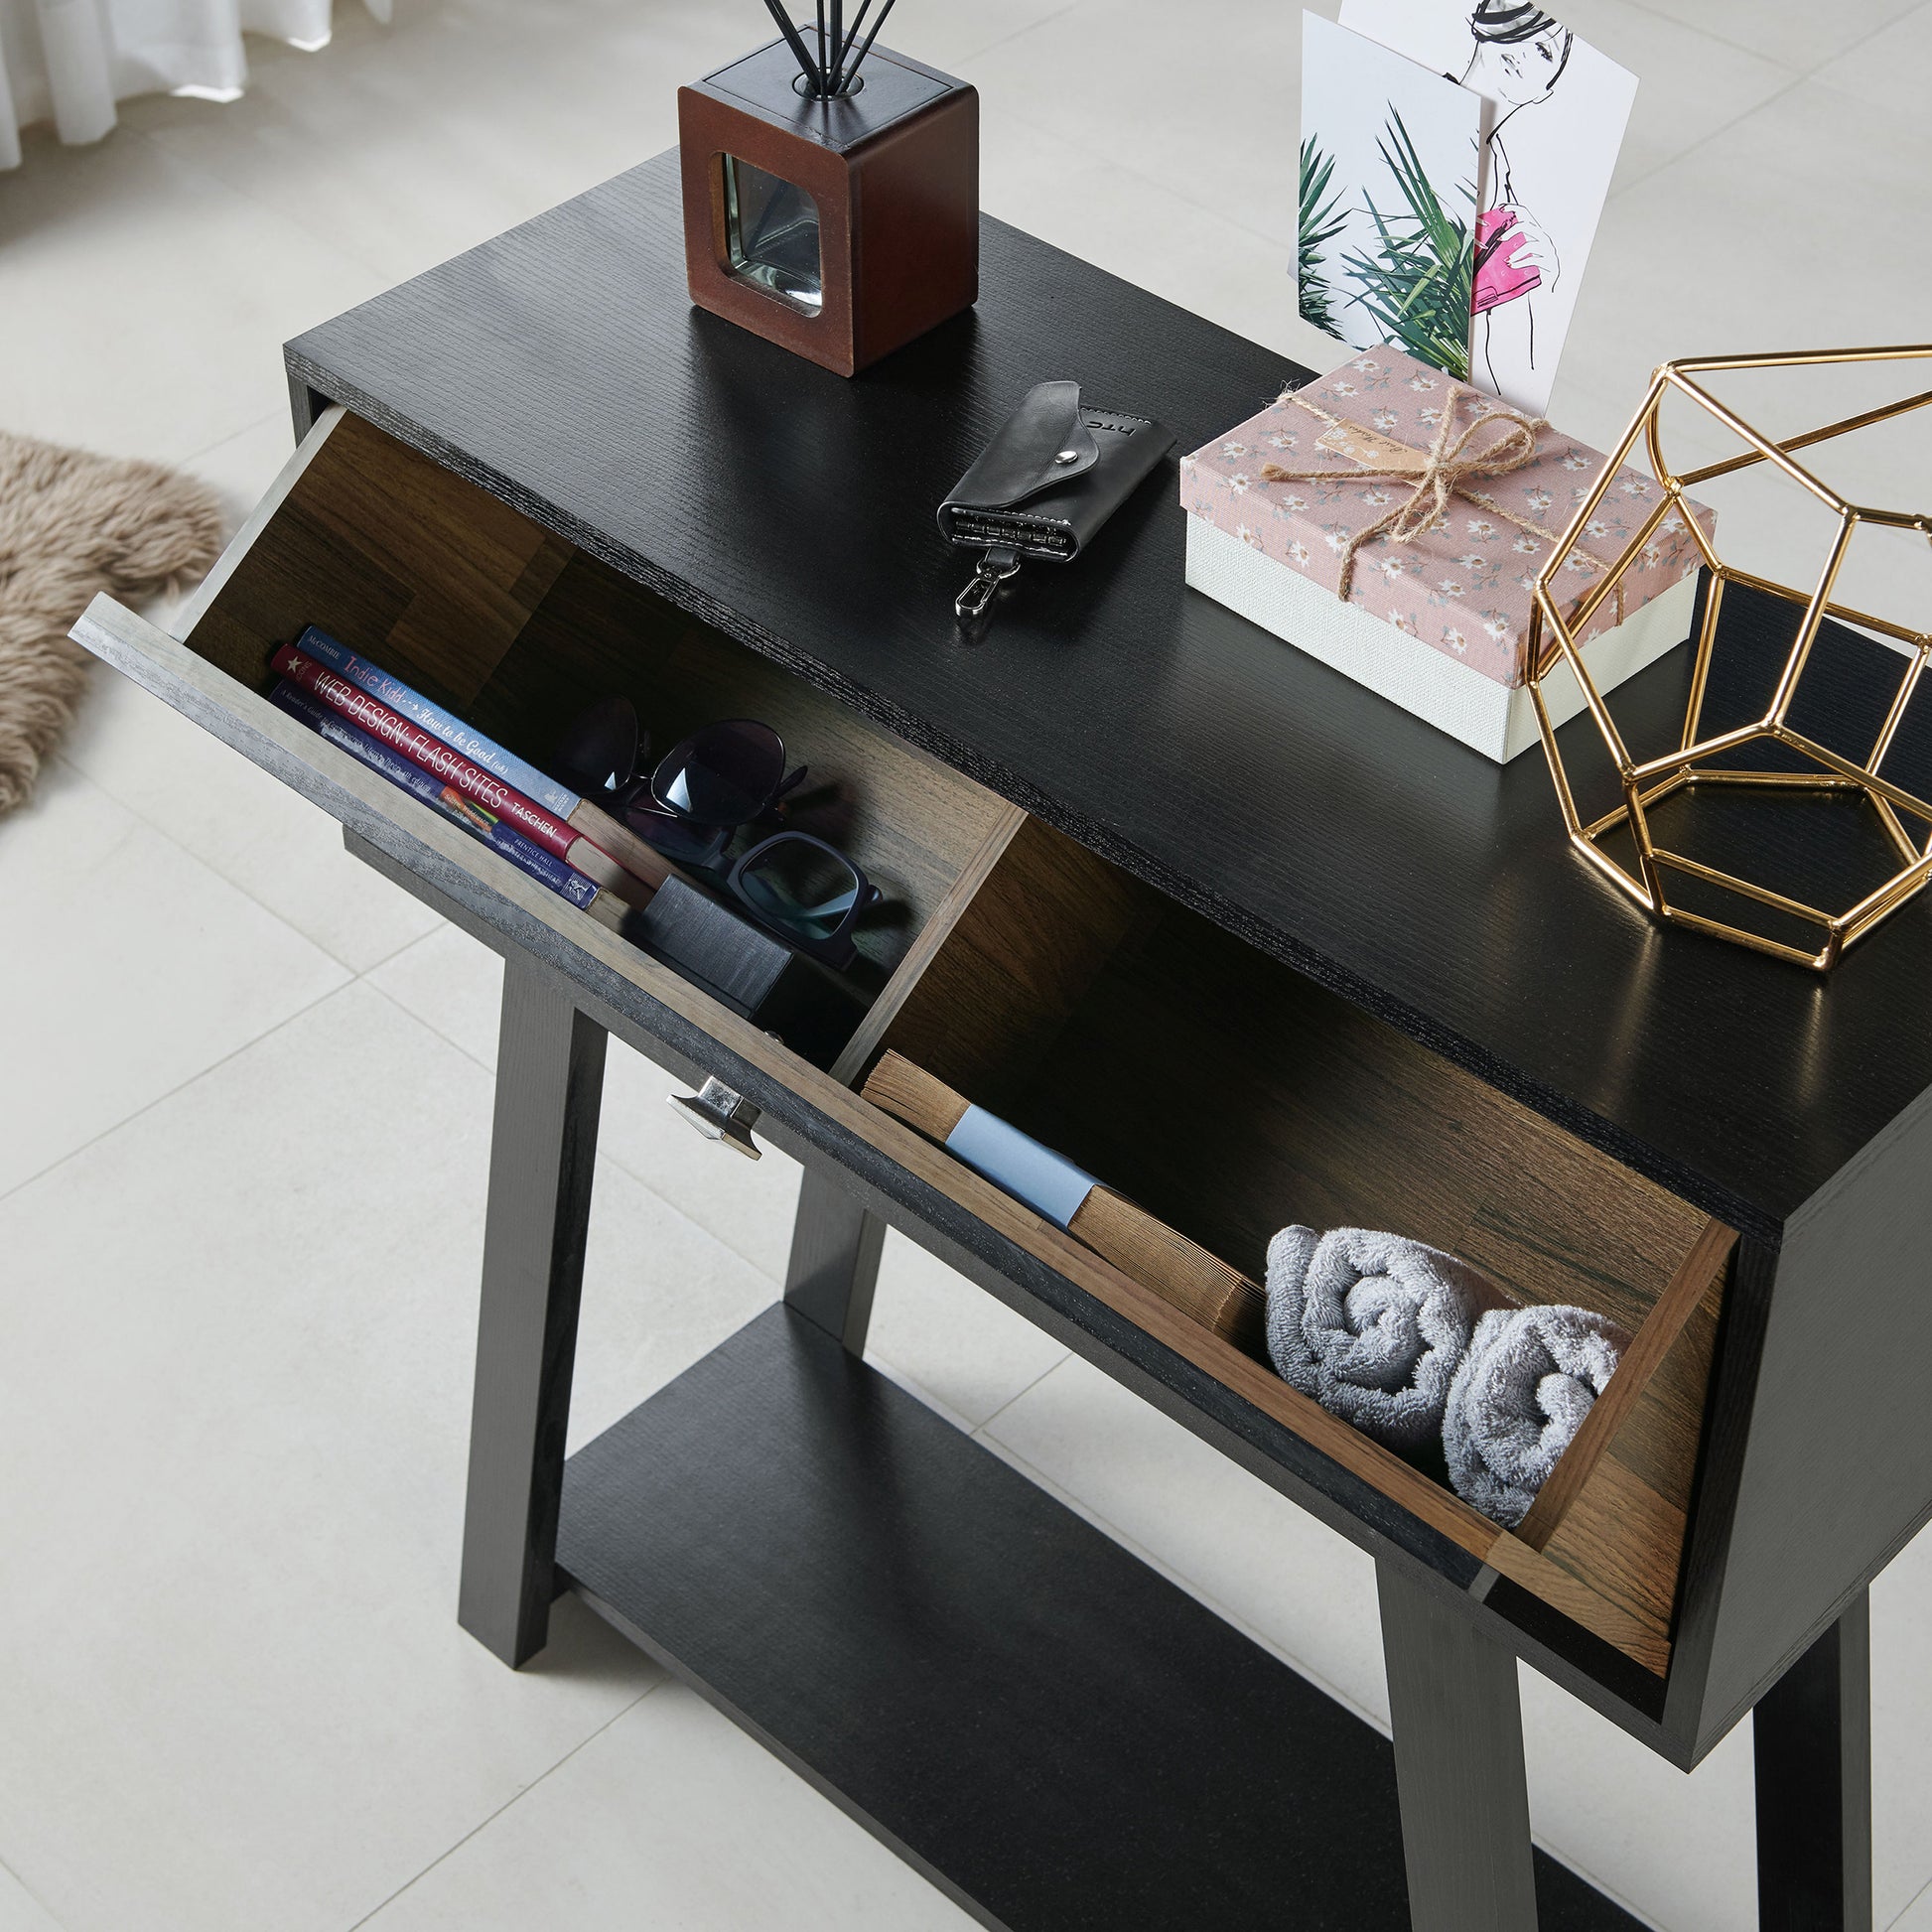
<point x="71" y="60"/>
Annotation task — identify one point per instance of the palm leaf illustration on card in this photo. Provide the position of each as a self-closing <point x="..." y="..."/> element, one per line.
<point x="1388" y="230"/>
<point x="1322" y="221"/>
<point x="1416" y="286"/>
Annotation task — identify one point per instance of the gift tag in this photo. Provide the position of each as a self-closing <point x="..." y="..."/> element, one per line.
<point x="1372" y="450"/>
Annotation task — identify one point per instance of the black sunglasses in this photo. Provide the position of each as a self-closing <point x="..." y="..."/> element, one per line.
<point x="806" y="891"/>
<point x="700" y="795"/>
<point x="701" y="791"/>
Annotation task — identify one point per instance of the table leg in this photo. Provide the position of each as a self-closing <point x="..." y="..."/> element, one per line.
<point x="834" y="1266"/>
<point x="1458" y="1765"/>
<point x="543" y="1147"/>
<point x="1812" y="1738"/>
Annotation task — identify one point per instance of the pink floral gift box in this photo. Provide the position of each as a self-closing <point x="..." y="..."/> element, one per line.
<point x="1462" y="587"/>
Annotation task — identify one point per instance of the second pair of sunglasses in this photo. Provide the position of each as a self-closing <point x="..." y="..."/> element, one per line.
<point x="696" y="797"/>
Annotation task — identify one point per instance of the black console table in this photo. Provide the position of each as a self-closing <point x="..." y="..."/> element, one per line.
<point x="1247" y="940"/>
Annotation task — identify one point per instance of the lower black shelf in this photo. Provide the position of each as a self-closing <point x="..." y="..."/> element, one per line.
<point x="1054" y="1734"/>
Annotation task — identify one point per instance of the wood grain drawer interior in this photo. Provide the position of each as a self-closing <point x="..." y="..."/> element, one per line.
<point x="1230" y="1095"/>
<point x="516" y="631"/>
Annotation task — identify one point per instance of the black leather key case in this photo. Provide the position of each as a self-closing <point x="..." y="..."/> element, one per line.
<point x="1053" y="473"/>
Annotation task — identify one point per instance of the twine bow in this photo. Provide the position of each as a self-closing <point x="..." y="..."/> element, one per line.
<point x="1449" y="466"/>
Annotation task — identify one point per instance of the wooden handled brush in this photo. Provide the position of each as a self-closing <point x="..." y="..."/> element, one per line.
<point x="1200" y="1285"/>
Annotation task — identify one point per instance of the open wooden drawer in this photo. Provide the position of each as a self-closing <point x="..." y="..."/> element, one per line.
<point x="1221" y="1089"/>
<point x="1229" y="1095"/>
<point x="517" y="629"/>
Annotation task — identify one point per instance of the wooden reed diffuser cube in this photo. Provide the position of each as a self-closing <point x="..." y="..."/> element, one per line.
<point x="838" y="227"/>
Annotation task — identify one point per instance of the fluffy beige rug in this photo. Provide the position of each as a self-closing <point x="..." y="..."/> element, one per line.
<point x="71" y="524"/>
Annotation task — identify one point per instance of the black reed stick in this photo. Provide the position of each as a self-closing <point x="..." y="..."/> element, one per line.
<point x="870" y="38"/>
<point x="824" y="67"/>
<point x="840" y="75"/>
<point x="838" y="34"/>
<point x="794" y="41"/>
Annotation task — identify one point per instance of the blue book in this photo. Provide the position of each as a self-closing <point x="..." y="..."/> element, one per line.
<point x="412" y="779"/>
<point x="446" y="724"/>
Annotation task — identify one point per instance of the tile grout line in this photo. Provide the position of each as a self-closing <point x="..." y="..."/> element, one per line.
<point x="140" y="814"/>
<point x="1147" y="181"/>
<point x="696" y="1226"/>
<point x="909" y="1384"/>
<point x="644" y="1180"/>
<point x="1066" y="1355"/>
<point x="181" y="1087"/>
<point x="221" y="442"/>
<point x="395" y="953"/>
<point x="1796" y="81"/>
<point x="483" y="1823"/>
<point x="447" y="1039"/>
<point x="1596" y="1884"/>
<point x="1020" y="33"/>
<point x="651" y="1188"/>
<point x="1725" y="40"/>
<point x="1904" y="1911"/>
<point x="363" y="975"/>
<point x="981" y="1433"/>
<point x="33" y="1897"/>
<point x="213" y="178"/>
<point x="1798" y="77"/>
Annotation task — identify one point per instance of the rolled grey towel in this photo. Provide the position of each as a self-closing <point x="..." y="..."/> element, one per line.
<point x="1371" y="1325"/>
<point x="1531" y="1376"/>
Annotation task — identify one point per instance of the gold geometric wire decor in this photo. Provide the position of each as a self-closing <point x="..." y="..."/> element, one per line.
<point x="1645" y="783"/>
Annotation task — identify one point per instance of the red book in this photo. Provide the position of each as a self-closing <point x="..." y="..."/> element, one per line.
<point x="544" y="828"/>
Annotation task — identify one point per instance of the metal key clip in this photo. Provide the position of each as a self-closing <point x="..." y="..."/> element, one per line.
<point x="995" y="567"/>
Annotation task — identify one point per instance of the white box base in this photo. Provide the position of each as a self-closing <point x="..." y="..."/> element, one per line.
<point x="1491" y="718"/>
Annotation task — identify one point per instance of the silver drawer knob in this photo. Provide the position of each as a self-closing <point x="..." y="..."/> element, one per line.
<point x="719" y="1114"/>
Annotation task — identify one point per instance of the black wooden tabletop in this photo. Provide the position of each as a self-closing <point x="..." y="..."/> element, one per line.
<point x="563" y="365"/>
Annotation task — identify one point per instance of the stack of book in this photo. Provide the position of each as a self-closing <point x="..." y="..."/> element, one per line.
<point x="543" y="828"/>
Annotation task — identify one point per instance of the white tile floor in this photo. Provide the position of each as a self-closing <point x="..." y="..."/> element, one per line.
<point x="232" y="1415"/>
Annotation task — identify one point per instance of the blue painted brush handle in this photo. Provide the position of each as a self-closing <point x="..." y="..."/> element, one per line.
<point x="1044" y="1181"/>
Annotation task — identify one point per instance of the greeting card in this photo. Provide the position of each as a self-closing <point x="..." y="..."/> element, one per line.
<point x="1557" y="111"/>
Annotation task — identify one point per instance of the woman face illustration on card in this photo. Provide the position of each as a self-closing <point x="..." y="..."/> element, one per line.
<point x="1556" y="108"/>
<point x="1520" y="55"/>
